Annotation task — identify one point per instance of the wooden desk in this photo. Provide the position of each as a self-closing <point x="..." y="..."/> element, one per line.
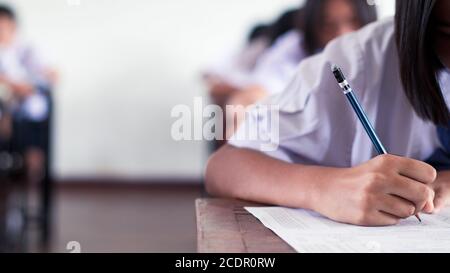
<point x="224" y="226"/>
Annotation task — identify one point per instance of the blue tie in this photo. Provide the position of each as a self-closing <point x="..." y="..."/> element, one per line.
<point x="441" y="157"/>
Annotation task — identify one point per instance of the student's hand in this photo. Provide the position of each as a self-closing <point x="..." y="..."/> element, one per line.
<point x="21" y="90"/>
<point x="380" y="192"/>
<point x="244" y="99"/>
<point x="442" y="191"/>
<point x="248" y="96"/>
<point x="222" y="88"/>
<point x="221" y="91"/>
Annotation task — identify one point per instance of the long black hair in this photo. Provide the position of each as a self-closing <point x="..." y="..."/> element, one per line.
<point x="259" y="31"/>
<point x="289" y="20"/>
<point x="313" y="17"/>
<point x="419" y="64"/>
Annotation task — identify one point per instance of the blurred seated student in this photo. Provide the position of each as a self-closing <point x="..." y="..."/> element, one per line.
<point x="322" y="158"/>
<point x="224" y="77"/>
<point x="232" y="74"/>
<point x="323" y="21"/>
<point x="25" y="80"/>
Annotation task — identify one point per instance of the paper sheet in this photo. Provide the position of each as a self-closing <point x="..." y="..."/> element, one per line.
<point x="308" y="232"/>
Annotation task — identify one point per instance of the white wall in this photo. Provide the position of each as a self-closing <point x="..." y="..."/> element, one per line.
<point x="124" y="65"/>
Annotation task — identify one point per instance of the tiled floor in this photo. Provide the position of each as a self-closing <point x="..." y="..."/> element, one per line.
<point x="126" y="218"/>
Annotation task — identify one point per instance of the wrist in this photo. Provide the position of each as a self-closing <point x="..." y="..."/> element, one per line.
<point x="333" y="190"/>
<point x="322" y="186"/>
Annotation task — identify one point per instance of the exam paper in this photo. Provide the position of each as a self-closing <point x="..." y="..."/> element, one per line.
<point x="309" y="232"/>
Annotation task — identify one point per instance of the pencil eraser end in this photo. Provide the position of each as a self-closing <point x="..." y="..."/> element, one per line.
<point x="337" y="73"/>
<point x="334" y="67"/>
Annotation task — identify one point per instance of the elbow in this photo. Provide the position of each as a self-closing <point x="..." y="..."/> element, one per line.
<point x="211" y="183"/>
<point x="216" y="174"/>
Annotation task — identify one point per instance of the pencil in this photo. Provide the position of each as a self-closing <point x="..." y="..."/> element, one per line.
<point x="348" y="92"/>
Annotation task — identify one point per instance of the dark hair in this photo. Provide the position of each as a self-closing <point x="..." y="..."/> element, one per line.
<point x="289" y="20"/>
<point x="314" y="10"/>
<point x="8" y="12"/>
<point x="419" y="65"/>
<point x="259" y="31"/>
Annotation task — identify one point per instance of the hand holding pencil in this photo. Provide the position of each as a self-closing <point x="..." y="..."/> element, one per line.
<point x="381" y="150"/>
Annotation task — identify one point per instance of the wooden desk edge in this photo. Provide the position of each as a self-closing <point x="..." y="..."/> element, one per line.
<point x="223" y="227"/>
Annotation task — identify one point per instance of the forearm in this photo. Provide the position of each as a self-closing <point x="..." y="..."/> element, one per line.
<point x="253" y="176"/>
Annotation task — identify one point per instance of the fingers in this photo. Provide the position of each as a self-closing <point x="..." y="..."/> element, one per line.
<point x="429" y="207"/>
<point x="416" y="170"/>
<point x="411" y="190"/>
<point x="442" y="197"/>
<point x="384" y="219"/>
<point x="412" y="185"/>
<point x="439" y="203"/>
<point x="396" y="206"/>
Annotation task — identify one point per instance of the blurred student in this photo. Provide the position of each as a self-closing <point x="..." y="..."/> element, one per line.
<point x="224" y="78"/>
<point x="323" y="21"/>
<point x="25" y="80"/>
<point x="325" y="161"/>
<point x="231" y="75"/>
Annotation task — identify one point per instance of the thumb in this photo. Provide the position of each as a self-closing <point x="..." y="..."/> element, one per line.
<point x="439" y="203"/>
<point x="429" y="207"/>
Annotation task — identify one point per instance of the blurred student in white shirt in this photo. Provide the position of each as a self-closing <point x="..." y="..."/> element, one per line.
<point x="233" y="73"/>
<point x="228" y="74"/>
<point x="25" y="80"/>
<point x="323" y="21"/>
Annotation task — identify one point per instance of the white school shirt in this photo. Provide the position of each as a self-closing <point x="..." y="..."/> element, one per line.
<point x="318" y="125"/>
<point x="279" y="63"/>
<point x="237" y="69"/>
<point x="21" y="63"/>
